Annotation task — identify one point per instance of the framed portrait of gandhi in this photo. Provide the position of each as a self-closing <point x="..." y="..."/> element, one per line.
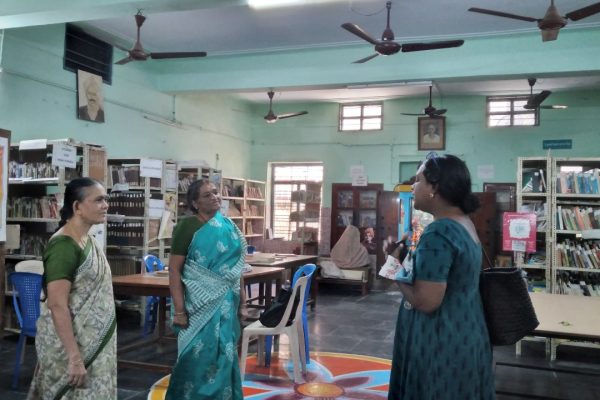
<point x="90" y="99"/>
<point x="432" y="133"/>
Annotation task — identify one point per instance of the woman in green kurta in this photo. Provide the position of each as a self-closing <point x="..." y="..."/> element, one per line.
<point x="205" y="269"/>
<point x="76" y="331"/>
<point x="441" y="347"/>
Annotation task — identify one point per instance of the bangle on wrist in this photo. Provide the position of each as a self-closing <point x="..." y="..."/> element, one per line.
<point x="76" y="362"/>
<point x="180" y="313"/>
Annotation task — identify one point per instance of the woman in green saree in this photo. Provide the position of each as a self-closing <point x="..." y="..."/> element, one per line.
<point x="205" y="273"/>
<point x="76" y="331"/>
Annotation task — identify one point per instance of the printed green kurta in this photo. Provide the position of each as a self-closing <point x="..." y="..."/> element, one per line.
<point x="91" y="302"/>
<point x="207" y="363"/>
<point x="445" y="354"/>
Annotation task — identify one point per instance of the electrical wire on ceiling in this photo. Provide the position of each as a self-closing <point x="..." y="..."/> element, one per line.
<point x="1" y="46"/>
<point x="356" y="11"/>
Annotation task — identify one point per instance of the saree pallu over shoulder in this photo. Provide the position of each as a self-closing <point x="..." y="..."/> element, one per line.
<point x="91" y="302"/>
<point x="212" y="269"/>
<point x="207" y="364"/>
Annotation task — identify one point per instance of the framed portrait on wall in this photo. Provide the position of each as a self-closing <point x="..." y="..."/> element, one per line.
<point x="4" y="153"/>
<point x="90" y="99"/>
<point x="432" y="133"/>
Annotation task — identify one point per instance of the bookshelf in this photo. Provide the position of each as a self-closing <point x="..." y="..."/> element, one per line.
<point x="142" y="211"/>
<point x="38" y="171"/>
<point x="244" y="202"/>
<point x="306" y="213"/>
<point x="576" y="230"/>
<point x="533" y="195"/>
<point x="188" y="173"/>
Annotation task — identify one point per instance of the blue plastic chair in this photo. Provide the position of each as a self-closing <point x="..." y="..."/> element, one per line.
<point x="153" y="263"/>
<point x="27" y="288"/>
<point x="306" y="270"/>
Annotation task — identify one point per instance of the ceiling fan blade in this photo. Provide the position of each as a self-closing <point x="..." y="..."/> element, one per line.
<point x="539" y="98"/>
<point x="584" y="12"/>
<point x="360" y="32"/>
<point x="124" y="60"/>
<point x="439" y="112"/>
<point x="502" y="14"/>
<point x="555" y="107"/>
<point x="290" y="115"/>
<point x="415" y="115"/>
<point x="431" y="46"/>
<point x="364" y="60"/>
<point x="160" y="56"/>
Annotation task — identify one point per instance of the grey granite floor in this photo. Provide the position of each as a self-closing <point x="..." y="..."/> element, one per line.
<point x="346" y="322"/>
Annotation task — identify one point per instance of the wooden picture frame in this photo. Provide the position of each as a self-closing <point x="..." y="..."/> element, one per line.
<point x="431" y="133"/>
<point x="90" y="98"/>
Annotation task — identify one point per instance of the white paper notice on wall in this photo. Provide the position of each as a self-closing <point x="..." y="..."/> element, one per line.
<point x="171" y="178"/>
<point x="357" y="170"/>
<point x="33" y="144"/>
<point x="151" y="168"/>
<point x="64" y="155"/>
<point x="486" y="171"/>
<point x="157" y="206"/>
<point x="360" y="180"/>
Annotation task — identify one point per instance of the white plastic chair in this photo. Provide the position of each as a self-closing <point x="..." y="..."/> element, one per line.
<point x="294" y="331"/>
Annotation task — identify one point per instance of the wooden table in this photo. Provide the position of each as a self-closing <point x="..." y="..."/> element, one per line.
<point x="150" y="285"/>
<point x="564" y="317"/>
<point x="291" y="263"/>
<point x="567" y="317"/>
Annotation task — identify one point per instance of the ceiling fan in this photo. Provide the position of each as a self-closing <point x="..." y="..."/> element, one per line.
<point x="535" y="101"/>
<point x="552" y="21"/>
<point x="430" y="110"/>
<point x="272" y="118"/>
<point x="386" y="46"/>
<point x="137" y="53"/>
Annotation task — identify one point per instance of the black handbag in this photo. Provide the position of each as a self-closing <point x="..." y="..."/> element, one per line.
<point x="509" y="313"/>
<point x="273" y="315"/>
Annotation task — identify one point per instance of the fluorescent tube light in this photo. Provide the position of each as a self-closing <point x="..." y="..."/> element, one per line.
<point x="389" y="84"/>
<point x="283" y="3"/>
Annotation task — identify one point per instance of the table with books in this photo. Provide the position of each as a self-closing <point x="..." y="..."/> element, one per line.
<point x="158" y="285"/>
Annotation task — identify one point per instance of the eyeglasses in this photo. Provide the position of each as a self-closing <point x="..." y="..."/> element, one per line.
<point x="433" y="177"/>
<point x="433" y="156"/>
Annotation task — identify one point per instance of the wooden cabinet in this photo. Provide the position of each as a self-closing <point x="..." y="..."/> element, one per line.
<point x="354" y="205"/>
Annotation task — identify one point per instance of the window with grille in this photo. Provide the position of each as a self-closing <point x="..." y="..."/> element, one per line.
<point x="509" y="111"/>
<point x="361" y="117"/>
<point x="296" y="200"/>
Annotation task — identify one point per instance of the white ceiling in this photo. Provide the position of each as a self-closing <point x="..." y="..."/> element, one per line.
<point x="235" y="28"/>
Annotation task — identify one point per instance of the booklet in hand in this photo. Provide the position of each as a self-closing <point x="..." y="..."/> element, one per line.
<point x="401" y="272"/>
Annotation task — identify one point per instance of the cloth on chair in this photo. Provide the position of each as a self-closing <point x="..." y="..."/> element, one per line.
<point x="348" y="252"/>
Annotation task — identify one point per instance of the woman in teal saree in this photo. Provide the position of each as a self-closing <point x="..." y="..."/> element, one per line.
<point x="76" y="331"/>
<point x="205" y="270"/>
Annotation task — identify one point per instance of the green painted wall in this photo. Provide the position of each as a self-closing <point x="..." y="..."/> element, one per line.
<point x="38" y="100"/>
<point x="315" y="138"/>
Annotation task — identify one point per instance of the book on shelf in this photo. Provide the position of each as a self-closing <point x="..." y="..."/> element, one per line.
<point x="533" y="180"/>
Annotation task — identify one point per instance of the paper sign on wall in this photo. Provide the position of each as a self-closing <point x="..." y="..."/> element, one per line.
<point x="64" y="155"/>
<point x="518" y="232"/>
<point x="360" y="180"/>
<point x="151" y="168"/>
<point x="156" y="208"/>
<point x="485" y="171"/>
<point x="357" y="170"/>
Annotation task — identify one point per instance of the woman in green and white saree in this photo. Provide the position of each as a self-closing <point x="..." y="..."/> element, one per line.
<point x="205" y="276"/>
<point x="76" y="331"/>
